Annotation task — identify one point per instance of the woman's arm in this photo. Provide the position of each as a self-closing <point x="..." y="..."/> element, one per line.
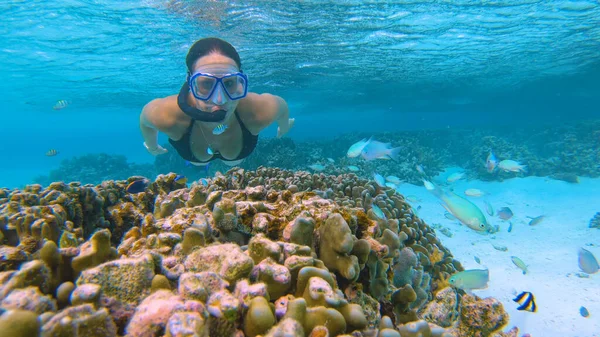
<point x="149" y="119"/>
<point x="264" y="109"/>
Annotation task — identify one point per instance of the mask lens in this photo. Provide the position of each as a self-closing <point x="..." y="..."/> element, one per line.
<point x="203" y="86"/>
<point x="235" y="85"/>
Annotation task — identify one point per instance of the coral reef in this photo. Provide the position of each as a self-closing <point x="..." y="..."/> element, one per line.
<point x="249" y="253"/>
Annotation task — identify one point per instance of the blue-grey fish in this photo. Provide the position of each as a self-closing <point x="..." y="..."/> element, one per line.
<point x="505" y="213"/>
<point x="378" y="212"/>
<point x="474" y="192"/>
<point x="356" y="149"/>
<point x="390" y="185"/>
<point x="455" y="176"/>
<point x="393" y="179"/>
<point x="379" y="179"/>
<point x="477" y="259"/>
<point x="536" y="220"/>
<point x="470" y="279"/>
<point x="587" y="261"/>
<point x="378" y="150"/>
<point x="584" y="312"/>
<point x="510" y="227"/>
<point x="316" y="167"/>
<point x="520" y="264"/>
<point x="353" y="168"/>
<point x="465" y="211"/>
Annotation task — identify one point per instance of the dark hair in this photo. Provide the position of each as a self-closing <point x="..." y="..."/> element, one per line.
<point x="208" y="45"/>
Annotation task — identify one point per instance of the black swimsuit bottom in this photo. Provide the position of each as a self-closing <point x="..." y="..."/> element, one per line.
<point x="185" y="151"/>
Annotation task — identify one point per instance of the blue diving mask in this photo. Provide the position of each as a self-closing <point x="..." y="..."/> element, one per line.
<point x="205" y="86"/>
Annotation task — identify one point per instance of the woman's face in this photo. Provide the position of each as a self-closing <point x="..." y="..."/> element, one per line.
<point x="215" y="64"/>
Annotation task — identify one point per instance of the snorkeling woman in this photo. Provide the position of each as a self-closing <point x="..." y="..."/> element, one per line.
<point x="213" y="116"/>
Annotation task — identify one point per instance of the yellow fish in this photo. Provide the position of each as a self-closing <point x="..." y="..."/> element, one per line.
<point x="465" y="211"/>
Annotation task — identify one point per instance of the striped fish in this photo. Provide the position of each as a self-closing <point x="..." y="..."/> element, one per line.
<point x="51" y="153"/>
<point x="526" y="301"/>
<point x="219" y="129"/>
<point x="61" y="104"/>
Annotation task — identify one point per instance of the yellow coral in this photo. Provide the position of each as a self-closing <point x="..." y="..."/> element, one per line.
<point x="436" y="256"/>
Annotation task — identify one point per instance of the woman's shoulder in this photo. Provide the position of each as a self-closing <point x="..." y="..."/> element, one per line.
<point x="165" y="112"/>
<point x="257" y="110"/>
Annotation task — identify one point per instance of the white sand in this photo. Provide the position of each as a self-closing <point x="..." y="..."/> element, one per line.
<point x="549" y="249"/>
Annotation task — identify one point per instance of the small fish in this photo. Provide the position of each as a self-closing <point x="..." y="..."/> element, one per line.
<point x="489" y="208"/>
<point x="500" y="248"/>
<point x="330" y="160"/>
<point x="316" y="167"/>
<point x="512" y="166"/>
<point x="505" y="213"/>
<point x="584" y="312"/>
<point x="137" y="186"/>
<point x="378" y="212"/>
<point x="356" y="149"/>
<point x="180" y="179"/>
<point x="203" y="181"/>
<point x="379" y="179"/>
<point x="416" y="210"/>
<point x="61" y="104"/>
<point x="455" y="176"/>
<point x="587" y="261"/>
<point x="491" y="162"/>
<point x="51" y="153"/>
<point x="219" y="129"/>
<point x="209" y="151"/>
<point x="473" y="192"/>
<point x="510" y="227"/>
<point x="420" y="169"/>
<point x="390" y="185"/>
<point x="536" y="220"/>
<point x="526" y="301"/>
<point x="379" y="150"/>
<point x="470" y="279"/>
<point x="465" y="211"/>
<point x="520" y="264"/>
<point x="477" y="259"/>
<point x="393" y="179"/>
<point x="353" y="168"/>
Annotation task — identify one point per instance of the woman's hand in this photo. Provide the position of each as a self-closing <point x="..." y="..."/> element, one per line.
<point x="157" y="150"/>
<point x="283" y="129"/>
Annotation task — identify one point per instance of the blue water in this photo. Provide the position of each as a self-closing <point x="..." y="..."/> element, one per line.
<point x="342" y="66"/>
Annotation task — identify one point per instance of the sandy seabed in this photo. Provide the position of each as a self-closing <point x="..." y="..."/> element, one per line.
<point x="549" y="248"/>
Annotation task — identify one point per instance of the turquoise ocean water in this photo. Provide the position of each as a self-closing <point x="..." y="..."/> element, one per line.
<point x="342" y="66"/>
